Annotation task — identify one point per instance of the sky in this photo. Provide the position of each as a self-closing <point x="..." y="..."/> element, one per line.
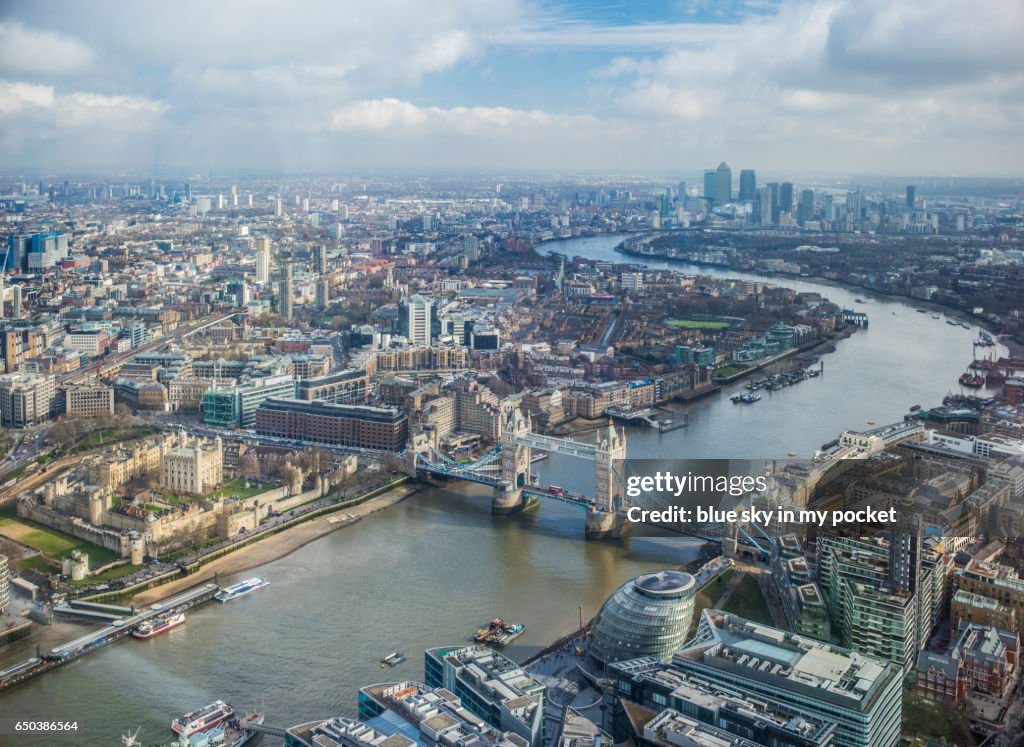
<point x="915" y="87"/>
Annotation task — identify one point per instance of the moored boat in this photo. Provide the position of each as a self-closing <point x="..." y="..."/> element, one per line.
<point x="159" y="624"/>
<point x="203" y="718"/>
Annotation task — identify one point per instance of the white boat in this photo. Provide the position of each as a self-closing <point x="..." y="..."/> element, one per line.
<point x="240" y="589"/>
<point x="202" y="719"/>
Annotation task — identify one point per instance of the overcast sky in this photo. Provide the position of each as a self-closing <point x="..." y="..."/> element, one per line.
<point x="825" y="86"/>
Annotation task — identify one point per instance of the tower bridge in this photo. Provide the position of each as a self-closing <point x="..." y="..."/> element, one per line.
<point x="507" y="469"/>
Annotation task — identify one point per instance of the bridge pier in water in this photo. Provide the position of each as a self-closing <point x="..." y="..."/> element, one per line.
<point x="508" y="470"/>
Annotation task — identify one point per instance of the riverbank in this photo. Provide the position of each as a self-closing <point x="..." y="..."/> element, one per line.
<point x="277" y="546"/>
<point x="1015" y="346"/>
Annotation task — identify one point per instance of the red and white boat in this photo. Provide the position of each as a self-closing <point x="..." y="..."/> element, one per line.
<point x="159" y="624"/>
<point x="203" y="718"/>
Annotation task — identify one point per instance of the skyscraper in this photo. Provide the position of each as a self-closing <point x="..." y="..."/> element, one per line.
<point x="323" y="294"/>
<point x="321" y="259"/>
<point x="285" y="293"/>
<point x="805" y="211"/>
<point x="419" y="319"/>
<point x="723" y="184"/>
<point x="681" y="191"/>
<point x="262" y="260"/>
<point x="911" y="196"/>
<point x="786" y="197"/>
<point x="710" y="186"/>
<point x="748" y="185"/>
<point x="773" y="188"/>
<point x="763" y="206"/>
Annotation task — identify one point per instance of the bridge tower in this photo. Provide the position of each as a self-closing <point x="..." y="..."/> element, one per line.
<point x="515" y="462"/>
<point x="605" y="519"/>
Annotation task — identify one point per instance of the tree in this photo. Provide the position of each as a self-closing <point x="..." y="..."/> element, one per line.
<point x="250" y="467"/>
<point x="64" y="434"/>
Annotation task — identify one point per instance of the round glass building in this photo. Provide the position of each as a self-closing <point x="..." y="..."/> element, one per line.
<point x="647" y="616"/>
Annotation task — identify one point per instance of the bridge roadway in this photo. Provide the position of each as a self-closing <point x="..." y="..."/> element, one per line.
<point x="90" y="642"/>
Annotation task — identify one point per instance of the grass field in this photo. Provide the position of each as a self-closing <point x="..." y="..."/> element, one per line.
<point x="726" y="371"/>
<point x="693" y="324"/>
<point x="748" y="602"/>
<point x="54" y="544"/>
<point x="237" y="487"/>
<point x="709" y="594"/>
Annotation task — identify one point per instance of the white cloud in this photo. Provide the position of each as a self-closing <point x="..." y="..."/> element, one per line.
<point x="41" y="104"/>
<point x="17" y="96"/>
<point x="398" y="117"/>
<point x="30" y="51"/>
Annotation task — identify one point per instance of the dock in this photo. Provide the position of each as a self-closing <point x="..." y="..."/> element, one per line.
<point x="647" y="416"/>
<point x="119" y="627"/>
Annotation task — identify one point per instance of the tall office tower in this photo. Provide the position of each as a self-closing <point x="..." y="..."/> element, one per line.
<point x="854" y="206"/>
<point x="905" y="552"/>
<point x="277" y="207"/>
<point x="419" y="310"/>
<point x="763" y="206"/>
<point x="786" y="197"/>
<point x="911" y="196"/>
<point x="723" y="184"/>
<point x="710" y="186"/>
<point x="828" y="207"/>
<point x="321" y="259"/>
<point x="681" y="191"/>
<point x="262" y="260"/>
<point x="773" y="190"/>
<point x="748" y="185"/>
<point x="18" y="248"/>
<point x="805" y="211"/>
<point x="323" y="294"/>
<point x="16" y="301"/>
<point x="285" y="293"/>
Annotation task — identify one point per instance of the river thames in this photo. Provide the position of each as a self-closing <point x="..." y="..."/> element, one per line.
<point x="432" y="569"/>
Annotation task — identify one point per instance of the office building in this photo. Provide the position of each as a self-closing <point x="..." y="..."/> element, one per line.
<point x="236" y="405"/>
<point x="419" y="318"/>
<point x="262" y="260"/>
<point x="285" y="293"/>
<point x="723" y="184"/>
<point x="911" y="196"/>
<point x="764" y="206"/>
<point x="647" y="616"/>
<point x="660" y="705"/>
<point x="358" y="426"/>
<point x="492" y="686"/>
<point x="805" y="211"/>
<point x="349" y="386"/>
<point x="28" y="399"/>
<point x="860" y="694"/>
<point x="997" y="582"/>
<point x="748" y="185"/>
<point x="710" y="186"/>
<point x="36" y="252"/>
<point x="89" y="400"/>
<point x="786" y="197"/>
<point x="323" y="294"/>
<point x="321" y="259"/>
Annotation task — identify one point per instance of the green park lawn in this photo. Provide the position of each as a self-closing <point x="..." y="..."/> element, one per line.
<point x="237" y="487"/>
<point x="50" y="542"/>
<point x="694" y="324"/>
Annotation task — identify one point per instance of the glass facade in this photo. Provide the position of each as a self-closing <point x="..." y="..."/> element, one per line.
<point x="647" y="616"/>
